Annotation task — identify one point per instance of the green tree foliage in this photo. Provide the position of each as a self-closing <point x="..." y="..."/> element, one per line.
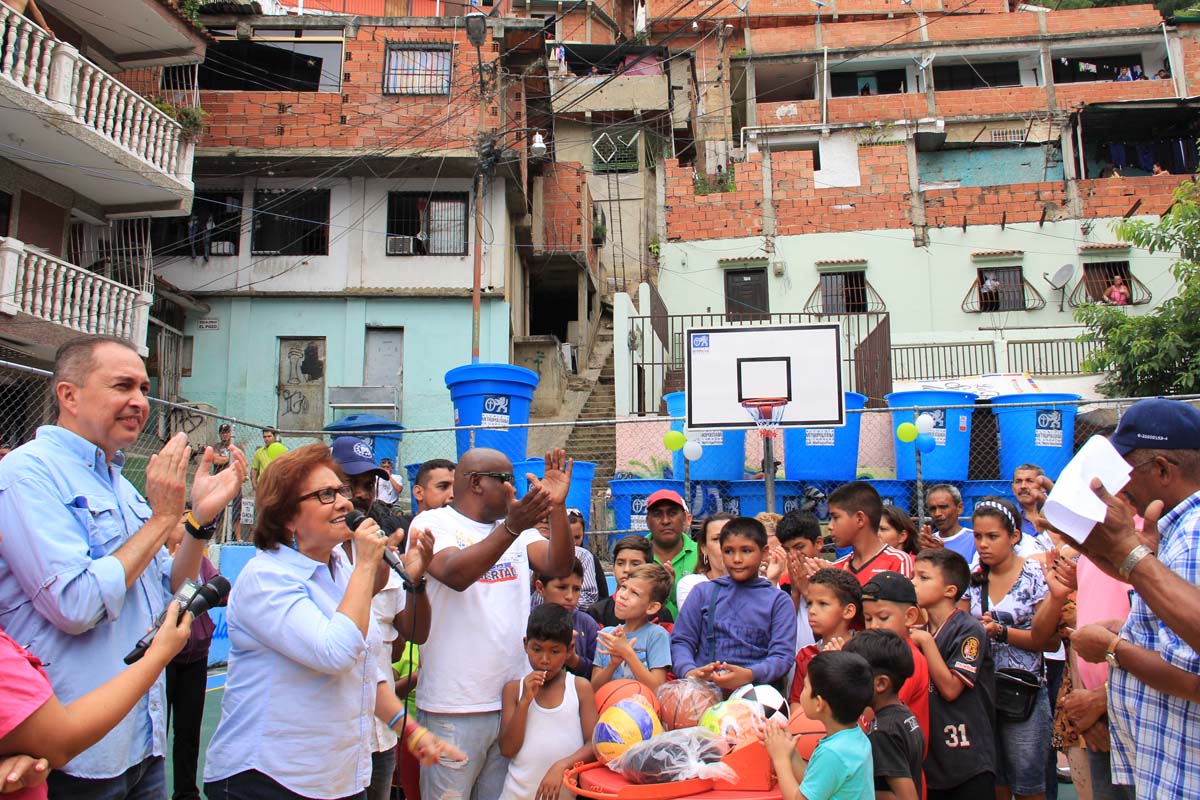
<point x="1156" y="353"/>
<point x="1165" y="7"/>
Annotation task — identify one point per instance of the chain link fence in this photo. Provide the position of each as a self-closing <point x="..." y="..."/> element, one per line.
<point x="977" y="447"/>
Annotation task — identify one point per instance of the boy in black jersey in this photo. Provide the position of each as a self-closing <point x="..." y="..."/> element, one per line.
<point x="897" y="743"/>
<point x="961" y="762"/>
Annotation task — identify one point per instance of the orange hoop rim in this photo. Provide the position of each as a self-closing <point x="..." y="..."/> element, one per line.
<point x="767" y="413"/>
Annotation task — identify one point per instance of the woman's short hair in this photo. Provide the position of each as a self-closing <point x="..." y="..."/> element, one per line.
<point x="277" y="498"/>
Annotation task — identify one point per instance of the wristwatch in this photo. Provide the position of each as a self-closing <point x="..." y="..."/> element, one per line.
<point x="1110" y="655"/>
<point x="1133" y="559"/>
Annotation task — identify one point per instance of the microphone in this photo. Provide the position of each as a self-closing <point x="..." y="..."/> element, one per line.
<point x="354" y="518"/>
<point x="207" y="596"/>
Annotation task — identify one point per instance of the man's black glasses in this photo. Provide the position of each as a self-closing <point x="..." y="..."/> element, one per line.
<point x="328" y="495"/>
<point x="503" y="477"/>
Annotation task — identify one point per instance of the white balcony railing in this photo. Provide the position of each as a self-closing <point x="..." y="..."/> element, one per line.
<point x="56" y="72"/>
<point x="54" y="290"/>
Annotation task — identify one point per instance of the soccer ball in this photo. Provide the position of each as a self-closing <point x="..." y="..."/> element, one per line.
<point x="774" y="705"/>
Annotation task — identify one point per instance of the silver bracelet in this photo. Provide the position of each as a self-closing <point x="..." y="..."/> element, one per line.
<point x="1133" y="559"/>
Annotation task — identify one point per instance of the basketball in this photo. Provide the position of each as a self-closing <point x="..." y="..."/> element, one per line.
<point x="774" y="705"/>
<point x="683" y="702"/>
<point x="623" y="689"/>
<point x="738" y="721"/>
<point x="806" y="731"/>
<point x="622" y="725"/>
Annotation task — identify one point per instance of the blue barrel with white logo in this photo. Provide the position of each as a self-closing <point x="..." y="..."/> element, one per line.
<point x="894" y="493"/>
<point x="724" y="456"/>
<point x="748" y="498"/>
<point x="1036" y="429"/>
<point x="629" y="502"/>
<point x="825" y="454"/>
<point x="951" y="432"/>
<point x="496" y="396"/>
<point x="579" y="495"/>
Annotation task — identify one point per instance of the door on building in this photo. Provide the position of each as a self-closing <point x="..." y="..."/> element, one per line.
<point x="301" y="383"/>
<point x="746" y="294"/>
<point x="383" y="358"/>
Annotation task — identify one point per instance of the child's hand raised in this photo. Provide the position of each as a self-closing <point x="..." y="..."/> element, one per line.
<point x="778" y="743"/>
<point x="777" y="559"/>
<point x="836" y="643"/>
<point x="532" y="683"/>
<point x="616" y="646"/>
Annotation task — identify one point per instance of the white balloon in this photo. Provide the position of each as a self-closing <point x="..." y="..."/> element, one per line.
<point x="692" y="451"/>
<point x="924" y="423"/>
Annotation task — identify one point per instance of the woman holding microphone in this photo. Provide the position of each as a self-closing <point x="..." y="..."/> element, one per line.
<point x="303" y="683"/>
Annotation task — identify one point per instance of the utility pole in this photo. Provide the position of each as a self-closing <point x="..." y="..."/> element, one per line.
<point x="476" y="34"/>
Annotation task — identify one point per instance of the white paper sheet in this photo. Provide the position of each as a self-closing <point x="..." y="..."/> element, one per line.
<point x="1072" y="506"/>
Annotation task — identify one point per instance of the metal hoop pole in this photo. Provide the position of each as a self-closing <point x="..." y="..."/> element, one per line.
<point x="769" y="469"/>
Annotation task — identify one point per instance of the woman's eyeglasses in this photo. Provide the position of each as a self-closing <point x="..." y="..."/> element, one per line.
<point x="328" y="495"/>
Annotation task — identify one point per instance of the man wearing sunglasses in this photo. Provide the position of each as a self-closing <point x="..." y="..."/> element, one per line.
<point x="485" y="548"/>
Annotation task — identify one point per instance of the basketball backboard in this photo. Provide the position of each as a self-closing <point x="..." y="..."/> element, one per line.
<point x="802" y="363"/>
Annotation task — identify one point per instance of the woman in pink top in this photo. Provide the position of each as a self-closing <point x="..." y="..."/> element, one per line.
<point x="1117" y="294"/>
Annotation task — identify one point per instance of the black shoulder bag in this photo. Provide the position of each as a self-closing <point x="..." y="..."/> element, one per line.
<point x="1016" y="689"/>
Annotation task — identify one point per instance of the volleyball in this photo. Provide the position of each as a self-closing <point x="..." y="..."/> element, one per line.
<point x="623" y="725"/>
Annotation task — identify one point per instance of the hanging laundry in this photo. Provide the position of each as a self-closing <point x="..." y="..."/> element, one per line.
<point x="1116" y="152"/>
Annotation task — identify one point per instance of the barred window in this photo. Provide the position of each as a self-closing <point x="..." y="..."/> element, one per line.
<point x="291" y="222"/>
<point x="417" y="69"/>
<point x="844" y="292"/>
<point x="615" y="149"/>
<point x="1001" y="289"/>
<point x="214" y="228"/>
<point x="435" y="222"/>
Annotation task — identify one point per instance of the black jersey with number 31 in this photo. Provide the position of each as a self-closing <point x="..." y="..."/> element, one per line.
<point x="961" y="742"/>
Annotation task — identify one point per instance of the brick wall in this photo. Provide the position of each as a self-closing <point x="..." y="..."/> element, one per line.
<point x="720" y="215"/>
<point x="791" y="112"/>
<point x="877" y="108"/>
<point x="1113" y="197"/>
<point x="1189" y="38"/>
<point x="880" y="201"/>
<point x="566" y="208"/>
<point x="1008" y="100"/>
<point x="783" y="40"/>
<point x="1094" y="19"/>
<point x="991" y="205"/>
<point x="407" y="123"/>
<point x="1069" y="95"/>
<point x="984" y="26"/>
<point x="863" y="34"/>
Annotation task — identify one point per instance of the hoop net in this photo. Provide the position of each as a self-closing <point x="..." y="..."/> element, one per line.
<point x="767" y="413"/>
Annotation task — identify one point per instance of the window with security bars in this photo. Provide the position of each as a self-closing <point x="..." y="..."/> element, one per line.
<point x="214" y="228"/>
<point x="844" y="292"/>
<point x="417" y="69"/>
<point x="615" y="150"/>
<point x="290" y="222"/>
<point x="425" y="224"/>
<point x="1001" y="289"/>
<point x="1109" y="282"/>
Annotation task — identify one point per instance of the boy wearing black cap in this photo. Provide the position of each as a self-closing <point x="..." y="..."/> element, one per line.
<point x="897" y="745"/>
<point x="890" y="604"/>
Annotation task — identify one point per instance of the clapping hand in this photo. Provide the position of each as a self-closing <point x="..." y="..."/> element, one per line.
<point x="420" y="553"/>
<point x="557" y="479"/>
<point x="777" y="559"/>
<point x="616" y="646"/>
<point x="928" y="539"/>
<point x="166" y="479"/>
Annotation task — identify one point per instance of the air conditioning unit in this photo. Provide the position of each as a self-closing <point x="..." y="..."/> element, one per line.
<point x="401" y="245"/>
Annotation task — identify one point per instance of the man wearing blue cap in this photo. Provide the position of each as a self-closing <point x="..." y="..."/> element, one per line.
<point x="1154" y="746"/>
<point x="357" y="460"/>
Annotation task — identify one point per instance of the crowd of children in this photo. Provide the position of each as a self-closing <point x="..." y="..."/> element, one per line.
<point x="907" y="645"/>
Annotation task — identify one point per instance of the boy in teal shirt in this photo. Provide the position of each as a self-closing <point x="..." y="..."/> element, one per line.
<point x="838" y="687"/>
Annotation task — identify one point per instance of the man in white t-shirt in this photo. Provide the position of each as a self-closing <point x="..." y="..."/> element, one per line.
<point x="945" y="505"/>
<point x="485" y="546"/>
<point x="389" y="486"/>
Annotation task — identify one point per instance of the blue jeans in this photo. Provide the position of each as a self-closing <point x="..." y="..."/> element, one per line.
<point x="254" y="785"/>
<point x="1102" y="785"/>
<point x="481" y="777"/>
<point x="146" y="780"/>
<point x="1021" y="749"/>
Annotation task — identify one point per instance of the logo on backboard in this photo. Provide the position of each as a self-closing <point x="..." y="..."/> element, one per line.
<point x="699" y="341"/>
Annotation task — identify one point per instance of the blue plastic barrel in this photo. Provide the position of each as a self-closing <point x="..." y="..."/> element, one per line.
<point x="496" y="396"/>
<point x="974" y="491"/>
<point x="367" y="427"/>
<point x="234" y="557"/>
<point x="894" y="493"/>
<point x="579" y="495"/>
<point x="951" y="431"/>
<point x="1042" y="434"/>
<point x="411" y="470"/>
<point x="629" y="501"/>
<point x="825" y="454"/>
<point x="724" y="457"/>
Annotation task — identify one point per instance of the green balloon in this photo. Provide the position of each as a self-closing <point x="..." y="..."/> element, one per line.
<point x="675" y="440"/>
<point x="906" y="432"/>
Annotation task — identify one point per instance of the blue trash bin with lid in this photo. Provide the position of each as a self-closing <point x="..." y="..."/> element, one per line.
<point x="1036" y="428"/>
<point x="496" y="396"/>
<point x="724" y="456"/>
<point x="629" y="498"/>
<point x="825" y="454"/>
<point x="371" y="429"/>
<point x="951" y="432"/>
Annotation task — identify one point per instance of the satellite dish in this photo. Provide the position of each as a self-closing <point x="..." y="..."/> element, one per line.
<point x="1062" y="276"/>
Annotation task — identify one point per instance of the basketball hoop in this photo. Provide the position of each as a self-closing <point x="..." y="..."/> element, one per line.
<point x="767" y="413"/>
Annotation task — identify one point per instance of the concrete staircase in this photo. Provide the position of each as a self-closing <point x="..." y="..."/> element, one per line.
<point x="598" y="443"/>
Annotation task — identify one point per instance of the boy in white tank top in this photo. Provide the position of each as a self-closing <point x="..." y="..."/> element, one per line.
<point x="548" y="716"/>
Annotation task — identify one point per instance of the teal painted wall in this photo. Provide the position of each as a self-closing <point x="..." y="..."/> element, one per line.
<point x="986" y="166"/>
<point x="236" y="367"/>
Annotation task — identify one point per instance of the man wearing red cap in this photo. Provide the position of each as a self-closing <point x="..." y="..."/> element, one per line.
<point x="667" y="518"/>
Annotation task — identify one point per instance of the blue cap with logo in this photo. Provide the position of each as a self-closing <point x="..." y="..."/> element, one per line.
<point x="355" y="456"/>
<point x="1158" y="424"/>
